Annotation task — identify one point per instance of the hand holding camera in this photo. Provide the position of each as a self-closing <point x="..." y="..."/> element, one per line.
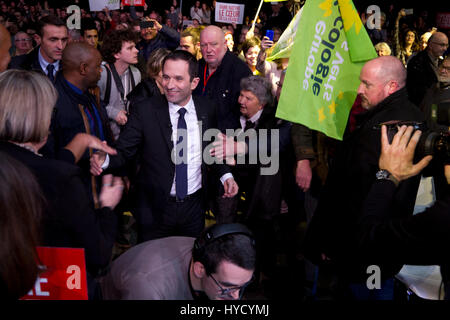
<point x="397" y="157"/>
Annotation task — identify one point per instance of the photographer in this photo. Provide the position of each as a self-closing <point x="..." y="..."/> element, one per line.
<point x="421" y="239"/>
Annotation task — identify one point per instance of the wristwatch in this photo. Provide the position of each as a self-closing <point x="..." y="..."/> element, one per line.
<point x="386" y="175"/>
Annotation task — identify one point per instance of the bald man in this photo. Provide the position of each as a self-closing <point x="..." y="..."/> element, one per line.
<point x="423" y="68"/>
<point x="77" y="110"/>
<point x="220" y="76"/>
<point x="332" y="231"/>
<point x="5" y="45"/>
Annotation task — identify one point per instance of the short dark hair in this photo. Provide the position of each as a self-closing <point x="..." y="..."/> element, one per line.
<point x="49" y="20"/>
<point x="113" y="42"/>
<point x="236" y="248"/>
<point x="87" y="24"/>
<point x="185" y="56"/>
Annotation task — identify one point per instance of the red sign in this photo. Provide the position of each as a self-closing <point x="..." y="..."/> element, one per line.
<point x="63" y="276"/>
<point x="443" y="20"/>
<point x="137" y="3"/>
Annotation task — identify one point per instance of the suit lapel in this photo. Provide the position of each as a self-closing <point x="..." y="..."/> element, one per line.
<point x="202" y="117"/>
<point x="162" y="113"/>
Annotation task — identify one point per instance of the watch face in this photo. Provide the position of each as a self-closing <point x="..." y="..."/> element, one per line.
<point x="382" y="174"/>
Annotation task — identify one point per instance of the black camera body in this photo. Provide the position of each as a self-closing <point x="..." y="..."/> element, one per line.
<point x="147" y="24"/>
<point x="436" y="144"/>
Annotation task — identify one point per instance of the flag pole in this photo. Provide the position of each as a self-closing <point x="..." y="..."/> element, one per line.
<point x="250" y="32"/>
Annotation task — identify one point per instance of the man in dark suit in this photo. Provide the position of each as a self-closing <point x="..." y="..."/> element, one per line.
<point x="45" y="58"/>
<point x="169" y="187"/>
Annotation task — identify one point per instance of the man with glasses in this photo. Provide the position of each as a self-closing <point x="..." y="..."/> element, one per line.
<point x="23" y="43"/>
<point x="423" y="68"/>
<point x="218" y="265"/>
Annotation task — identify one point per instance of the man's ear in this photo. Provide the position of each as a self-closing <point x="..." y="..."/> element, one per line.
<point x="199" y="270"/>
<point x="194" y="83"/>
<point x="83" y="67"/>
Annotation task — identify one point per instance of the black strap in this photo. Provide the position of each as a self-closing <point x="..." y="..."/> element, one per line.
<point x="108" y="86"/>
<point x="118" y="82"/>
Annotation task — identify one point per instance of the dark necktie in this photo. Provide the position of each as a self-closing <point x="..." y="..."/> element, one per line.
<point x="248" y="125"/>
<point x="50" y="69"/>
<point x="181" y="184"/>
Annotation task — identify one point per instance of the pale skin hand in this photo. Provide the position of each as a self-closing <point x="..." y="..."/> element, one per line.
<point x="231" y="188"/>
<point x="225" y="148"/>
<point x="266" y="43"/>
<point x="122" y="118"/>
<point x="303" y="174"/>
<point x="82" y="141"/>
<point x="111" y="193"/>
<point x="397" y="157"/>
<point x="97" y="160"/>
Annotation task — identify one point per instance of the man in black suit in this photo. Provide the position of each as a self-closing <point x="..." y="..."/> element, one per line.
<point x="46" y="57"/>
<point x="169" y="187"/>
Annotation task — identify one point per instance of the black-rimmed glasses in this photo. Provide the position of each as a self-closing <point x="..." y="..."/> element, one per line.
<point x="227" y="293"/>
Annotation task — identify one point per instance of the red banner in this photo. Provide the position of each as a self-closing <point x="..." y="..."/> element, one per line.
<point x="63" y="276"/>
<point x="443" y="20"/>
<point x="137" y="3"/>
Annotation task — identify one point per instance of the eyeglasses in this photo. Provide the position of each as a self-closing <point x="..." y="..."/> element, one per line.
<point x="446" y="68"/>
<point x="228" y="292"/>
<point x="444" y="45"/>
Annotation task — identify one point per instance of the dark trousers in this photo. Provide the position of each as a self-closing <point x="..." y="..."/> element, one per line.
<point x="178" y="218"/>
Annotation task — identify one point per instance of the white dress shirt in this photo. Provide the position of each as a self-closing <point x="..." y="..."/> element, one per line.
<point x="253" y="119"/>
<point x="44" y="63"/>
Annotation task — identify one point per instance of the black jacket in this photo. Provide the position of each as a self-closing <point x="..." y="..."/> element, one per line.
<point x="29" y="61"/>
<point x="148" y="135"/>
<point x="223" y="87"/>
<point x="144" y="90"/>
<point x="69" y="219"/>
<point x="166" y="38"/>
<point x="334" y="225"/>
<point x="421" y="77"/>
<point x="67" y="121"/>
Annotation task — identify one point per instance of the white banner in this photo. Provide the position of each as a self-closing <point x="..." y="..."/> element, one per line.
<point x="229" y="12"/>
<point x="99" y="5"/>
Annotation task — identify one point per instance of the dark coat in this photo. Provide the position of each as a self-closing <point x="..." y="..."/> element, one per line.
<point x="69" y="219"/>
<point x="148" y="135"/>
<point x="29" y="61"/>
<point x="352" y="173"/>
<point x="263" y="191"/>
<point x="144" y="90"/>
<point x="421" y="77"/>
<point x="224" y="87"/>
<point x="67" y="121"/>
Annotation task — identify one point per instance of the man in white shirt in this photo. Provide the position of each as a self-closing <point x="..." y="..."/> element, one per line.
<point x="165" y="132"/>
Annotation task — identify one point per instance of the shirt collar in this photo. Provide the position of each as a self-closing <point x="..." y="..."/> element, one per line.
<point x="173" y="108"/>
<point x="255" y="117"/>
<point x="44" y="62"/>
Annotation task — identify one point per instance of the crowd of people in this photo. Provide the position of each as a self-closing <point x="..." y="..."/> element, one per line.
<point x="130" y="136"/>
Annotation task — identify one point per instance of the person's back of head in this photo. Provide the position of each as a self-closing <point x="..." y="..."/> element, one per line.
<point x="21" y="203"/>
<point x="390" y="68"/>
<point x="26" y="103"/>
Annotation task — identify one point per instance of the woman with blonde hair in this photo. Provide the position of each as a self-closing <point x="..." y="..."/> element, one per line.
<point x="27" y="100"/>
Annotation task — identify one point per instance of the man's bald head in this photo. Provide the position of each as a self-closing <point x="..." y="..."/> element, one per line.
<point x="81" y="64"/>
<point x="437" y="44"/>
<point x="75" y="54"/>
<point x="213" y="45"/>
<point x="5" y="45"/>
<point x="380" y="78"/>
<point x="388" y="68"/>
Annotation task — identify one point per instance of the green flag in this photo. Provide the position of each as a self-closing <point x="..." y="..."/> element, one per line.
<point x="330" y="48"/>
<point x="283" y="47"/>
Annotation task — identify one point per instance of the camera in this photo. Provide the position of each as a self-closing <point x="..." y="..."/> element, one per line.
<point x="147" y="24"/>
<point x="436" y="144"/>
